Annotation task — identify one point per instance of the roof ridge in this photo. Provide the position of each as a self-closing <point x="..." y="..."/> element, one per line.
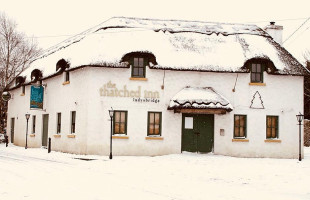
<point x="184" y="20"/>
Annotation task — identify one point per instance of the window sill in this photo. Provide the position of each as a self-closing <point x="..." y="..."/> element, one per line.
<point x="258" y="84"/>
<point x="120" y="137"/>
<point x="71" y="136"/>
<point x="240" y="140"/>
<point x="66" y="83"/>
<point x="154" y="138"/>
<point x="57" y="136"/>
<point x="138" y="79"/>
<point x="32" y="135"/>
<point x="273" y="141"/>
<point x="22" y="94"/>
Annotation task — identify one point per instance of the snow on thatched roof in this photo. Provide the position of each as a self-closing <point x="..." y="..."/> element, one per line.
<point x="199" y="98"/>
<point x="176" y="44"/>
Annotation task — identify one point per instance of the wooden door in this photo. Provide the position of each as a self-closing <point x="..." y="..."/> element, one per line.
<point x="197" y="132"/>
<point x="45" y="130"/>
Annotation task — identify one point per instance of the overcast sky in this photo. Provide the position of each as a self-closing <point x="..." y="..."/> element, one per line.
<point x="54" y="21"/>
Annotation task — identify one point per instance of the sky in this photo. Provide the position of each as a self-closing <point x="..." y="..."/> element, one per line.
<point x="51" y="22"/>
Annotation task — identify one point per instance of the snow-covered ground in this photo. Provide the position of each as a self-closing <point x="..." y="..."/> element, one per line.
<point x="36" y="175"/>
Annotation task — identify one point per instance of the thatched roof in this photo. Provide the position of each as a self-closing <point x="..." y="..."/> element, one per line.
<point x="175" y="45"/>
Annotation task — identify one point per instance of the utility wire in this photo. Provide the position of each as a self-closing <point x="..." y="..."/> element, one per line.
<point x="84" y="32"/>
<point x="50" y="36"/>
<point x="290" y="42"/>
<point x="278" y="20"/>
<point x="296" y="30"/>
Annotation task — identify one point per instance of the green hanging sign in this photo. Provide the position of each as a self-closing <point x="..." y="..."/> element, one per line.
<point x="36" y="97"/>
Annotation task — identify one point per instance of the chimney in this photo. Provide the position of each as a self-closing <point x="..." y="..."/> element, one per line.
<point x="275" y="31"/>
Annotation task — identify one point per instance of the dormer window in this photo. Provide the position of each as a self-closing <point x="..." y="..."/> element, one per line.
<point x="138" y="61"/>
<point x="257" y="70"/>
<point x="138" y="67"/>
<point x="36" y="75"/>
<point x="61" y="65"/>
<point x="19" y="80"/>
<point x="257" y="67"/>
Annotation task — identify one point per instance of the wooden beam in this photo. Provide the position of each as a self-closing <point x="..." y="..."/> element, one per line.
<point x="200" y="111"/>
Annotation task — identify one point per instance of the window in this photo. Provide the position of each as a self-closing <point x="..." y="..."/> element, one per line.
<point x="240" y="126"/>
<point x="138" y="67"/>
<point x="58" y="123"/>
<point x="33" y="124"/>
<point x="73" y="118"/>
<point x="67" y="76"/>
<point x="154" y="124"/>
<point x="272" y="127"/>
<point x="120" y="122"/>
<point x="23" y="89"/>
<point x="257" y="70"/>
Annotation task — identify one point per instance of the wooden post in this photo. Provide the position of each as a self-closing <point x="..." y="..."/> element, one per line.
<point x="49" y="145"/>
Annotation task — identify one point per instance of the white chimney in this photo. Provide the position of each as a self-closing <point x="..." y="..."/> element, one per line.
<point x="275" y="31"/>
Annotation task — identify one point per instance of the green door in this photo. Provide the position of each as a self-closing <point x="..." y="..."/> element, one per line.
<point x="45" y="130"/>
<point x="197" y="132"/>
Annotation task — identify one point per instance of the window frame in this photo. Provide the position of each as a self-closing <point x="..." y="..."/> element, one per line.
<point x="126" y="121"/>
<point x="239" y="127"/>
<point x="73" y="123"/>
<point x="271" y="127"/>
<point x="148" y="124"/>
<point x="261" y="73"/>
<point x="58" y="123"/>
<point x="139" y="67"/>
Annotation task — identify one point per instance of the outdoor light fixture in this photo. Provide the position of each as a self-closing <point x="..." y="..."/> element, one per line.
<point x="27" y="118"/>
<point x="299" y="117"/>
<point x="111" y="113"/>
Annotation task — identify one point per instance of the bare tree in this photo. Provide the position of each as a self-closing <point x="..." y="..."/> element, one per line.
<point x="16" y="53"/>
<point x="307" y="86"/>
<point x="307" y="56"/>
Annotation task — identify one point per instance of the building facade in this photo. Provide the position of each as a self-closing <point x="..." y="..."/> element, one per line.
<point x="174" y="86"/>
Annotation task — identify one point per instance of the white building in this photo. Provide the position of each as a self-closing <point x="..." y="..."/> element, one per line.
<point x="174" y="86"/>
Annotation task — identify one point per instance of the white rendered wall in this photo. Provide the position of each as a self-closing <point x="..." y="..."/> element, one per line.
<point x="136" y="144"/>
<point x="282" y="96"/>
<point x="57" y="98"/>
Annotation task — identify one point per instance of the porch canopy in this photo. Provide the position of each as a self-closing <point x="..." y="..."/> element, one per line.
<point x="201" y="100"/>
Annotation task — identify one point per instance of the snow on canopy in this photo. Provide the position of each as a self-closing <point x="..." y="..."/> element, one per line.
<point x="199" y="98"/>
<point x="176" y="44"/>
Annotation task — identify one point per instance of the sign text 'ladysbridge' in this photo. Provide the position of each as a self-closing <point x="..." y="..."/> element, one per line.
<point x="111" y="90"/>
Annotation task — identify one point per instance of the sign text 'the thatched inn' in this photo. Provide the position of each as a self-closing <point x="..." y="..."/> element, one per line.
<point x="111" y="90"/>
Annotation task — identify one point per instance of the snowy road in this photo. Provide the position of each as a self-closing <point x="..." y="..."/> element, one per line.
<point x="34" y="174"/>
